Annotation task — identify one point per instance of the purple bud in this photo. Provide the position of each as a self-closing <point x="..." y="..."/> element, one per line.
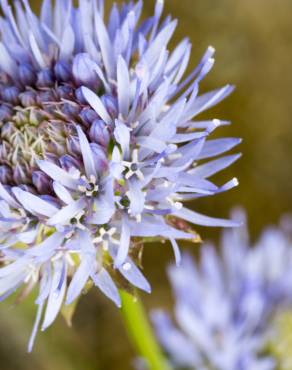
<point x="7" y="130"/>
<point x="111" y="105"/>
<point x="5" y="113"/>
<point x="88" y="115"/>
<point x="45" y="78"/>
<point x="99" y="132"/>
<point x="27" y="75"/>
<point x="79" y="96"/>
<point x="64" y="92"/>
<point x="5" y="175"/>
<point x="83" y="71"/>
<point x="11" y="94"/>
<point x="4" y="150"/>
<point x="46" y="96"/>
<point x="71" y="109"/>
<point x="67" y="162"/>
<point x="99" y="157"/>
<point x="42" y="182"/>
<point x="73" y="145"/>
<point x="19" y="175"/>
<point x="62" y="71"/>
<point x="28" y="98"/>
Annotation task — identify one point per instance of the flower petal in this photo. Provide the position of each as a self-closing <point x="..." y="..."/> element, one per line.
<point x="131" y="272"/>
<point x="105" y="283"/>
<point x="199" y="219"/>
<point x="86" y="154"/>
<point x="94" y="101"/>
<point x="124" y="244"/>
<point x="58" y="174"/>
<point x="34" y="204"/>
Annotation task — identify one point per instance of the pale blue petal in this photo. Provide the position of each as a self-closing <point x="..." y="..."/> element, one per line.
<point x="80" y="278"/>
<point x="124" y="88"/>
<point x="57" y="293"/>
<point x="199" y="219"/>
<point x="217" y="147"/>
<point x="105" y="283"/>
<point x="47" y="247"/>
<point x="124" y="244"/>
<point x="58" y="174"/>
<point x="210" y="168"/>
<point x="7" y="197"/>
<point x="122" y="136"/>
<point x="35" y="327"/>
<point x="95" y="102"/>
<point x="66" y="213"/>
<point x="62" y="193"/>
<point x="33" y="203"/>
<point x="131" y="272"/>
<point x="87" y="156"/>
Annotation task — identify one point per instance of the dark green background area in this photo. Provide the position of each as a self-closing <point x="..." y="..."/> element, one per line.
<point x="253" y="39"/>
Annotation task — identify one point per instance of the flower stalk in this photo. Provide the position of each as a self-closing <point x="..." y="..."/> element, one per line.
<point x="141" y="333"/>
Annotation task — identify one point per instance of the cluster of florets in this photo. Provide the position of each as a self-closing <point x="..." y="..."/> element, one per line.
<point x="99" y="146"/>
<point x="225" y="304"/>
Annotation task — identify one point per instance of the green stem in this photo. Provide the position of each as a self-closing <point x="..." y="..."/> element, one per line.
<point x="141" y="333"/>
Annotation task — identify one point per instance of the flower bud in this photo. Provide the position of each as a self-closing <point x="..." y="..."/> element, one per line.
<point x="5" y="174"/>
<point x="83" y="71"/>
<point x="71" y="109"/>
<point x="7" y="130"/>
<point x="73" y="145"/>
<point x="99" y="157"/>
<point x="19" y="175"/>
<point x="99" y="132"/>
<point x="111" y="105"/>
<point x="4" y="150"/>
<point x="45" y="78"/>
<point x="5" y="113"/>
<point x="27" y="75"/>
<point x="79" y="96"/>
<point x="42" y="182"/>
<point x="62" y="71"/>
<point x="28" y="98"/>
<point x="67" y="162"/>
<point x="11" y="94"/>
<point x="64" y="92"/>
<point x="46" y="96"/>
<point x="88" y="115"/>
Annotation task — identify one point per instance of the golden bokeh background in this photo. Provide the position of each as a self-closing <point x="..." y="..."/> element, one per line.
<point x="253" y="39"/>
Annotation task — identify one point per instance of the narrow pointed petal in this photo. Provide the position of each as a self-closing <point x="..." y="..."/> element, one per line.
<point x="123" y="81"/>
<point x="105" y="283"/>
<point x="62" y="193"/>
<point x="33" y="203"/>
<point x="124" y="244"/>
<point x="58" y="174"/>
<point x="95" y="102"/>
<point x="57" y="293"/>
<point x="131" y="272"/>
<point x="86" y="154"/>
<point x="79" y="279"/>
<point x="35" y="327"/>
<point x="66" y="213"/>
<point x="199" y="219"/>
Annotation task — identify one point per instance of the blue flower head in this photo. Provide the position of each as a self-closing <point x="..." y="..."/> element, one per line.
<point x="224" y="304"/>
<point x="100" y="146"/>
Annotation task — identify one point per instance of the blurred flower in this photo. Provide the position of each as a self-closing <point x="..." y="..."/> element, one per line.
<point x="225" y="304"/>
<point x="99" y="148"/>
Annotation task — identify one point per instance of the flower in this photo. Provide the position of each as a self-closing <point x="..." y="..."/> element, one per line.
<point x="99" y="147"/>
<point x="225" y="303"/>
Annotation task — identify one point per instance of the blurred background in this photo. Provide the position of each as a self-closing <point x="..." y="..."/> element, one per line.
<point x="253" y="40"/>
